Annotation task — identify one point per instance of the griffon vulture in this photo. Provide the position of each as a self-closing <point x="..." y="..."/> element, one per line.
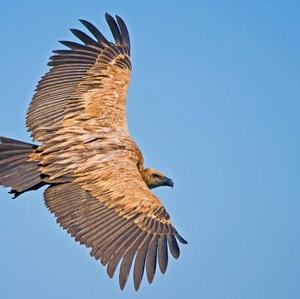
<point x="98" y="187"/>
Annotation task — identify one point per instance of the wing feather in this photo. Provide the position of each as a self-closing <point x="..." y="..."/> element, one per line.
<point x="151" y="258"/>
<point x="128" y="259"/>
<point x="114" y="29"/>
<point x="83" y="83"/>
<point x="173" y="246"/>
<point x="119" y="252"/>
<point x="162" y="254"/>
<point x="124" y="32"/>
<point x="76" y="46"/>
<point x="97" y="34"/>
<point x="84" y="38"/>
<point x="116" y="241"/>
<point x="103" y="251"/>
<point x="139" y="263"/>
<point x="111" y="235"/>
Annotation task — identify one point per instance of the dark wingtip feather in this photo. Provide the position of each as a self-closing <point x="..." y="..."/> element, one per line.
<point x="84" y="37"/>
<point x="124" y="269"/>
<point x="110" y="270"/>
<point x="124" y="31"/>
<point x="93" y="29"/>
<point x="107" y="15"/>
<point x="114" y="29"/>
<point x="62" y="51"/>
<point x="65" y="43"/>
<point x="139" y="266"/>
<point x="151" y="260"/>
<point x="180" y="239"/>
<point x="173" y="246"/>
<point x="162" y="254"/>
<point x="76" y="46"/>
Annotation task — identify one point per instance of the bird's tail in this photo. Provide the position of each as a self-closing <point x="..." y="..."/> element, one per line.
<point x="16" y="170"/>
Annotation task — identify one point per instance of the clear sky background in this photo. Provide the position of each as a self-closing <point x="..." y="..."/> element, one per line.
<point x="215" y="104"/>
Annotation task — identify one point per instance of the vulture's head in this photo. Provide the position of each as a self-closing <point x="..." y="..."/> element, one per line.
<point x="154" y="178"/>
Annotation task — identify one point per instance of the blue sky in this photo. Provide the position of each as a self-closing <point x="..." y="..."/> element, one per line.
<point x="214" y="103"/>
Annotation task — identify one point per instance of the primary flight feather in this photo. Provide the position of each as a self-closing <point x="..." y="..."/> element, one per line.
<point x="98" y="187"/>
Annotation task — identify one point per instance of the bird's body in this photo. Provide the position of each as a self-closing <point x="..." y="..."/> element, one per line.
<point x="98" y="187"/>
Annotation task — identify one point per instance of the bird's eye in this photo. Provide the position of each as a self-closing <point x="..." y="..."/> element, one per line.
<point x="155" y="175"/>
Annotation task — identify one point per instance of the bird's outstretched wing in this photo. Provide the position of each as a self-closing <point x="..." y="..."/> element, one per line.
<point x="112" y="211"/>
<point x="87" y="82"/>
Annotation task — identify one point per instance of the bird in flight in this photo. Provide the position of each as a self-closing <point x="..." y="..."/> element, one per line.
<point x="97" y="186"/>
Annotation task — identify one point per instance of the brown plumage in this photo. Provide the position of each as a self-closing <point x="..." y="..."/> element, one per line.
<point x="98" y="188"/>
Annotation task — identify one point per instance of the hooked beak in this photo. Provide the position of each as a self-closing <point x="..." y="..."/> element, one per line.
<point x="168" y="182"/>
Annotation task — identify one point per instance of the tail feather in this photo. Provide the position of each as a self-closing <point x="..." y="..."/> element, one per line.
<point x="16" y="170"/>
